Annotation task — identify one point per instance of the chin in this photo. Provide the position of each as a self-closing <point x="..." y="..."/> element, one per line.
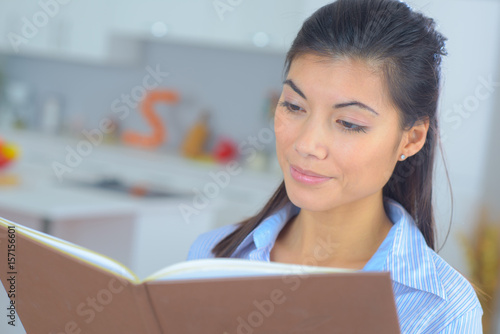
<point x="310" y="200"/>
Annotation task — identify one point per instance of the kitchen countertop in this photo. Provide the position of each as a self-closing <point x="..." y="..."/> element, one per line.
<point x="41" y="193"/>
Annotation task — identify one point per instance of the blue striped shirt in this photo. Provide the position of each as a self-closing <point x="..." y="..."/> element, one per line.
<point x="431" y="296"/>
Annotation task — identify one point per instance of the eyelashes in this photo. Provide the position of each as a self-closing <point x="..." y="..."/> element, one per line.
<point x="290" y="107"/>
<point x="345" y="126"/>
<point x="350" y="127"/>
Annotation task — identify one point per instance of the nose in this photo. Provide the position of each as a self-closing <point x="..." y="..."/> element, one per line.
<point x="311" y="141"/>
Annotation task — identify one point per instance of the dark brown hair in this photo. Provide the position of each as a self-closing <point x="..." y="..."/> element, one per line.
<point x="407" y="49"/>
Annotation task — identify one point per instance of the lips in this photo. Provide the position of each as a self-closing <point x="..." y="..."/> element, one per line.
<point x="308" y="172"/>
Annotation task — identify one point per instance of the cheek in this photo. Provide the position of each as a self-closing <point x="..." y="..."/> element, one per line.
<point x="281" y="125"/>
<point x="284" y="132"/>
<point x="372" y="167"/>
<point x="279" y="122"/>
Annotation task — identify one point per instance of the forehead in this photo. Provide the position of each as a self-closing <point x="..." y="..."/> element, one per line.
<point x="347" y="65"/>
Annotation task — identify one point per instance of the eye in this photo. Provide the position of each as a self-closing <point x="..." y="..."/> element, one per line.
<point x="346" y="126"/>
<point x="292" y="108"/>
<point x="350" y="127"/>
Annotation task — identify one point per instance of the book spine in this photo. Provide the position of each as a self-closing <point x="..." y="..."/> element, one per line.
<point x="146" y="311"/>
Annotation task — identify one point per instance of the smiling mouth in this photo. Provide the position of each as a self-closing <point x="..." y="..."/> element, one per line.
<point x="307" y="177"/>
<point x="307" y="172"/>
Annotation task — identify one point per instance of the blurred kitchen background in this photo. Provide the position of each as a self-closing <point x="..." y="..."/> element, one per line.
<point x="83" y="160"/>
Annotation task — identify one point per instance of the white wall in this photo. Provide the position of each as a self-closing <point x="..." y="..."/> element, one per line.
<point x="491" y="179"/>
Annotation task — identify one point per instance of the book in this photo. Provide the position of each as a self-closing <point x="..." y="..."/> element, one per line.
<point x="56" y="287"/>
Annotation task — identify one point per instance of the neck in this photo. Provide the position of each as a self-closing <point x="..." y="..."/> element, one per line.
<point x="344" y="237"/>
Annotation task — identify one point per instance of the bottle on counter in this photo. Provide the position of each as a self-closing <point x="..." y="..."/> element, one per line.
<point x="194" y="142"/>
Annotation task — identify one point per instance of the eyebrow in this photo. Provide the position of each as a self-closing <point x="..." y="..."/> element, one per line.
<point x="355" y="103"/>
<point x="290" y="83"/>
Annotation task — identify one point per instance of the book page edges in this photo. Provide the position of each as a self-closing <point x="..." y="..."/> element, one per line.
<point x="40" y="236"/>
<point x="228" y="267"/>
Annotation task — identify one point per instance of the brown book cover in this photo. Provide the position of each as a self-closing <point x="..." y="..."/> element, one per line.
<point x="57" y="287"/>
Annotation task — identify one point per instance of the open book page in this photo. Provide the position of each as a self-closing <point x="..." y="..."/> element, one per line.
<point x="84" y="254"/>
<point x="224" y="267"/>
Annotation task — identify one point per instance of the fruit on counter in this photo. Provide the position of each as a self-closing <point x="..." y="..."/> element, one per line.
<point x="194" y="144"/>
<point x="8" y="153"/>
<point x="225" y="150"/>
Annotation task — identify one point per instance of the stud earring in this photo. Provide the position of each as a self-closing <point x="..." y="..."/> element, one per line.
<point x="403" y="156"/>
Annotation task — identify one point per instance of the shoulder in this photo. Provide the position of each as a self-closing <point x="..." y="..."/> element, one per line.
<point x="460" y="305"/>
<point x="448" y="300"/>
<point x="202" y="246"/>
<point x="431" y="295"/>
<point x="458" y="291"/>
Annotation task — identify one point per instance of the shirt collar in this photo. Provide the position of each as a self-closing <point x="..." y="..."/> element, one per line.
<point x="410" y="260"/>
<point x="266" y="233"/>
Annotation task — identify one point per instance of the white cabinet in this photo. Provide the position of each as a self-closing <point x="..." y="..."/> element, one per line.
<point x="83" y="26"/>
<point x="17" y="31"/>
<point x="58" y="29"/>
<point x="229" y="23"/>
<point x="89" y="30"/>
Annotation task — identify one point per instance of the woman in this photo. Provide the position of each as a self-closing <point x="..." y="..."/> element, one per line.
<point x="356" y="130"/>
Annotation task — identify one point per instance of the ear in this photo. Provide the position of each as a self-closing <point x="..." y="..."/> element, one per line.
<point x="414" y="139"/>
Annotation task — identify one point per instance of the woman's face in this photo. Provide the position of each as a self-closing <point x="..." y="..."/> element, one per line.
<point x="335" y="119"/>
